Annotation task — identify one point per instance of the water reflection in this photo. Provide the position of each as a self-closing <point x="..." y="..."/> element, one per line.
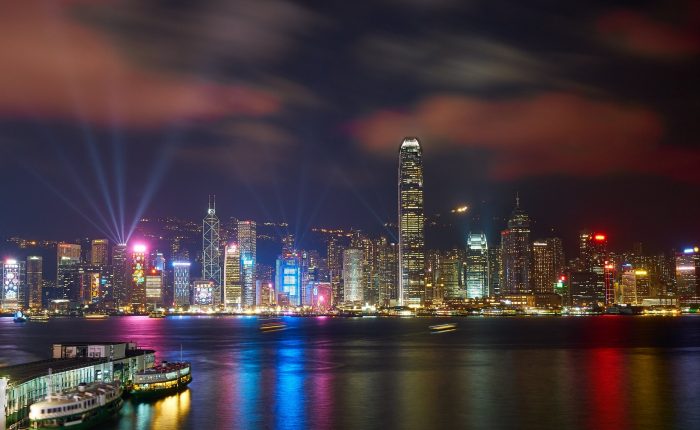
<point x="602" y="373"/>
<point x="171" y="412"/>
<point x="290" y="397"/>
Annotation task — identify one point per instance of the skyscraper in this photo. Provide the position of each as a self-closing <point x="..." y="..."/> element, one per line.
<point x="67" y="276"/>
<point x="547" y="264"/>
<point x="211" y="259"/>
<point x="99" y="251"/>
<point x="335" y="268"/>
<point x="370" y="279"/>
<point x="388" y="270"/>
<point x="12" y="292"/>
<point x="688" y="272"/>
<point x="247" y="244"/>
<point x="288" y="279"/>
<point x="411" y="224"/>
<point x="35" y="279"/>
<point x="352" y="276"/>
<point x="205" y="293"/>
<point x="477" y="266"/>
<point x="181" y="282"/>
<point x="448" y="275"/>
<point x="515" y="253"/>
<point x="232" y="277"/>
<point x="137" y="295"/>
<point x="120" y="280"/>
<point x="153" y="286"/>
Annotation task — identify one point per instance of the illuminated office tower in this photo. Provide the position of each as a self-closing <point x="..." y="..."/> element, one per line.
<point x="335" y="268"/>
<point x="120" y="275"/>
<point x="137" y="295"/>
<point x="596" y="262"/>
<point x="12" y="295"/>
<point x="515" y="253"/>
<point x="547" y="264"/>
<point x="264" y="285"/>
<point x="211" y="258"/>
<point x="153" y="286"/>
<point x="352" y="276"/>
<point x="495" y="271"/>
<point x="204" y="293"/>
<point x="585" y="246"/>
<point x="288" y="279"/>
<point x="370" y="280"/>
<point x="411" y="225"/>
<point x="181" y="282"/>
<point x="583" y="289"/>
<point x="687" y="271"/>
<point x="477" y="267"/>
<point x="67" y="274"/>
<point x="247" y="244"/>
<point x="158" y="261"/>
<point x="67" y="252"/>
<point x="35" y="279"/>
<point x="634" y="285"/>
<point x="99" y="252"/>
<point x="232" y="277"/>
<point x="90" y="289"/>
<point x="448" y="279"/>
<point x="662" y="275"/>
<point x="388" y="270"/>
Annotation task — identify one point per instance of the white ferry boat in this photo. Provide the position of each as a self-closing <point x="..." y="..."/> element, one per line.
<point x="80" y="408"/>
<point x="166" y="378"/>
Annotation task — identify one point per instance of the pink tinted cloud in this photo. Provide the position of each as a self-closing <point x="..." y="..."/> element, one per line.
<point x="547" y="134"/>
<point x="643" y="35"/>
<point x="56" y="67"/>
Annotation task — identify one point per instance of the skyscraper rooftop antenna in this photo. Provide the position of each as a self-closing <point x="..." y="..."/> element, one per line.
<point x="517" y="199"/>
<point x="212" y="204"/>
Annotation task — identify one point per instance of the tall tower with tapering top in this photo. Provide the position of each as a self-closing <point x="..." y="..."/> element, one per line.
<point x="211" y="260"/>
<point x="516" y="253"/>
<point x="411" y="224"/>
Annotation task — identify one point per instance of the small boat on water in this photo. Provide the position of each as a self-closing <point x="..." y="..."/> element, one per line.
<point x="19" y="317"/>
<point x="443" y="328"/>
<point x="157" y="314"/>
<point x="273" y="326"/>
<point x="39" y="318"/>
<point x="80" y="408"/>
<point x="95" y="316"/>
<point x="166" y="378"/>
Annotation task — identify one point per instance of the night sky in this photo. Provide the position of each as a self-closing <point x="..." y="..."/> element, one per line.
<point x="294" y="112"/>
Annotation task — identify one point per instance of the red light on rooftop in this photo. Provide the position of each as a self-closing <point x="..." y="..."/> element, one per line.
<point x="562" y="278"/>
<point x="599" y="237"/>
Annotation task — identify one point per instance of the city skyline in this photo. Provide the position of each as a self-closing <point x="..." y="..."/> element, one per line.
<point x="581" y="120"/>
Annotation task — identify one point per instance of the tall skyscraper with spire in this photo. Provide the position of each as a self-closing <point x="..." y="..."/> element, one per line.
<point x="411" y="224"/>
<point x="211" y="260"/>
<point x="515" y="253"/>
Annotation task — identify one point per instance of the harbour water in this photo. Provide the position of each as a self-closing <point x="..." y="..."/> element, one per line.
<point x="601" y="372"/>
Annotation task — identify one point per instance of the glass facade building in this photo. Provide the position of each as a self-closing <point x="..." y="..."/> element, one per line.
<point x="411" y="224"/>
<point x="477" y="266"/>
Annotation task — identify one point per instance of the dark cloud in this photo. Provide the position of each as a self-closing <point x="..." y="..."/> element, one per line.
<point x="545" y="134"/>
<point x="202" y="36"/>
<point x="457" y="61"/>
<point x="56" y="67"/>
<point x="641" y="34"/>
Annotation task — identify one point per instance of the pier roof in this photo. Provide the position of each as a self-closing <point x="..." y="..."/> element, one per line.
<point x="19" y="373"/>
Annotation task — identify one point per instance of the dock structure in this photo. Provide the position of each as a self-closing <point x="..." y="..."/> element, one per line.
<point x="71" y="363"/>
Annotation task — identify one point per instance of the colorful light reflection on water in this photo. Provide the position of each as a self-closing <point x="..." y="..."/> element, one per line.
<point x="574" y="373"/>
